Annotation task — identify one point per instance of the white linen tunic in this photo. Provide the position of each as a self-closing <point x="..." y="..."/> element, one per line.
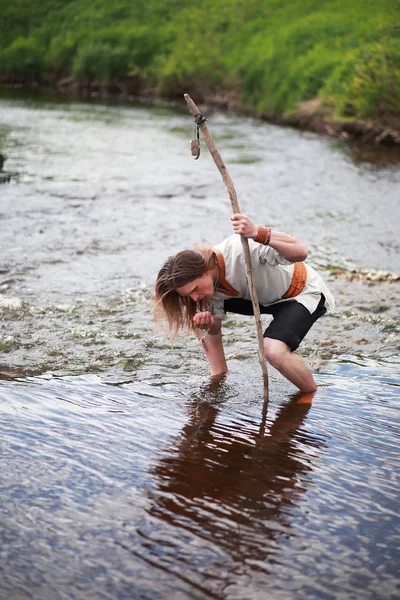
<point x="272" y="276"/>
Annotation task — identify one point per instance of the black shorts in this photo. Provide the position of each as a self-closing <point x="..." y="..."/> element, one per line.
<point x="291" y="322"/>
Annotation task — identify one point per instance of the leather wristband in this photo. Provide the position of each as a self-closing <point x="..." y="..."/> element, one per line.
<point x="263" y="235"/>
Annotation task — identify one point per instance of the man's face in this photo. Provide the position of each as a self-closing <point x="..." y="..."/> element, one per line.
<point x="201" y="288"/>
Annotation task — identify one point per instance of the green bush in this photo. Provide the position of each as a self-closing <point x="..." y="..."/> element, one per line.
<point x="60" y="55"/>
<point x="367" y="82"/>
<point x="92" y="62"/>
<point x="275" y="55"/>
<point x="23" y="58"/>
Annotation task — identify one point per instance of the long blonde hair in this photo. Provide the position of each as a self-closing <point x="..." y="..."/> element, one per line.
<point x="177" y="271"/>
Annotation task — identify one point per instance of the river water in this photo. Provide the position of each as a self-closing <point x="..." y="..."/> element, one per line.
<point x="126" y="473"/>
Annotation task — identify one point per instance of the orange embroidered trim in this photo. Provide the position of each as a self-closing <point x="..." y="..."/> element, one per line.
<point x="299" y="280"/>
<point x="223" y="285"/>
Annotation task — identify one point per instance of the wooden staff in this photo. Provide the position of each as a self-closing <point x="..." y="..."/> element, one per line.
<point x="200" y="122"/>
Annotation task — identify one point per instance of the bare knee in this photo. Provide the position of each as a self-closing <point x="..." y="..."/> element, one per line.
<point x="275" y="352"/>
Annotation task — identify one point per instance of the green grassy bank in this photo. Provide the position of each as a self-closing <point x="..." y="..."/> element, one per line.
<point x="289" y="60"/>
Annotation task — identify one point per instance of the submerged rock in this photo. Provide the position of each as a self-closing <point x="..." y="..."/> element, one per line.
<point x="366" y="275"/>
<point x="10" y="304"/>
<point x="5" y="178"/>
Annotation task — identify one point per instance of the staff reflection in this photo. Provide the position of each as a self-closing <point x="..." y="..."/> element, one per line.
<point x="234" y="482"/>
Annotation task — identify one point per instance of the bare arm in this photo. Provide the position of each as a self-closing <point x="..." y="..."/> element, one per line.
<point x="212" y="343"/>
<point x="288" y="246"/>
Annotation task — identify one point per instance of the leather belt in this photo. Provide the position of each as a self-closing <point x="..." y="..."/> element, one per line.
<point x="299" y="280"/>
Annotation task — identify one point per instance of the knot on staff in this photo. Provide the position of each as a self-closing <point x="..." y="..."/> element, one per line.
<point x="199" y="119"/>
<point x="200" y="123"/>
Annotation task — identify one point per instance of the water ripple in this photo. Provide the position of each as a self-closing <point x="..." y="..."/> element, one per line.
<point x="162" y="489"/>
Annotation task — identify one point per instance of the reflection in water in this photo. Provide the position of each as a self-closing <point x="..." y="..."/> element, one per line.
<point x="234" y="486"/>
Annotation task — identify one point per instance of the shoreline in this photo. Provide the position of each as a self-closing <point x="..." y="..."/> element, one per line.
<point x="308" y="117"/>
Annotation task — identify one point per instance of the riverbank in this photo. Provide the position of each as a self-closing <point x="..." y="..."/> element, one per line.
<point x="309" y="116"/>
<point x="329" y="67"/>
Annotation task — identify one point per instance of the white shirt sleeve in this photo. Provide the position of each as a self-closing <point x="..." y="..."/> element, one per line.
<point x="269" y="256"/>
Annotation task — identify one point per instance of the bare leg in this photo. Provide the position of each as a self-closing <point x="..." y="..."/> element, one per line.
<point x="291" y="365"/>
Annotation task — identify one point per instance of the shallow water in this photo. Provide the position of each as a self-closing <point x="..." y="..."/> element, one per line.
<point x="125" y="473"/>
<point x="154" y="490"/>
